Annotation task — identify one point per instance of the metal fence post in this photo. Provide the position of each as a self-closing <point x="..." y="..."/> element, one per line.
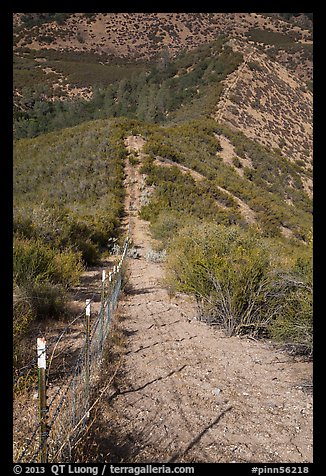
<point x="102" y="310"/>
<point x="41" y="363"/>
<point x="87" y="350"/>
<point x="103" y="285"/>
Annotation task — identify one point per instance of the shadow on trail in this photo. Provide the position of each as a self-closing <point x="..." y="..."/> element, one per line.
<point x="119" y="392"/>
<point x="134" y="292"/>
<point x="140" y="349"/>
<point x="199" y="436"/>
<point x="117" y="446"/>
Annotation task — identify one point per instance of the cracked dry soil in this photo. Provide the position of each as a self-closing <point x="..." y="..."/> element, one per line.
<point x="190" y="394"/>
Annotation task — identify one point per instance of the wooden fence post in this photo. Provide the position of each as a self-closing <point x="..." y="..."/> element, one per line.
<point x="41" y="364"/>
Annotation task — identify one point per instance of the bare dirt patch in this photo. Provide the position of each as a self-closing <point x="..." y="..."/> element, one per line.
<point x="134" y="143"/>
<point x="183" y="169"/>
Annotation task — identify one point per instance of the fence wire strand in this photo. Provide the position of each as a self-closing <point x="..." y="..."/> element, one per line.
<point x="52" y="340"/>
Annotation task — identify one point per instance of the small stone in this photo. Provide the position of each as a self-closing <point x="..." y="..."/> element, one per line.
<point x="216" y="391"/>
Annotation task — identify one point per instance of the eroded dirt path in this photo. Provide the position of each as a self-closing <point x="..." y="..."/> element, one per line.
<point x="190" y="394"/>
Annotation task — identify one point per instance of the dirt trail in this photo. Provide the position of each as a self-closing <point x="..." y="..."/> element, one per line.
<point x="222" y="104"/>
<point x="190" y="394"/>
<point x="183" y="169"/>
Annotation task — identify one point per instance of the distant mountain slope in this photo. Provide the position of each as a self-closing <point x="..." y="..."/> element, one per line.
<point x="268" y="104"/>
<point x="268" y="185"/>
<point x="144" y="35"/>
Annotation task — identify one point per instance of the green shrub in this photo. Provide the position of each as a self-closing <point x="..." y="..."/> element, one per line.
<point x="226" y="270"/>
<point x="33" y="302"/>
<point x="236" y="162"/>
<point x="41" y="277"/>
<point x="294" y="325"/>
<point x="35" y="262"/>
<point x="67" y="268"/>
<point x="22" y="313"/>
<point x="23" y="317"/>
<point x="232" y="276"/>
<point x="166" y="225"/>
<point x="89" y="251"/>
<point x="48" y="300"/>
<point x="254" y="66"/>
<point x="133" y="160"/>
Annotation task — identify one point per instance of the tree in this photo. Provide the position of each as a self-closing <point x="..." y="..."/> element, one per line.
<point x="164" y="60"/>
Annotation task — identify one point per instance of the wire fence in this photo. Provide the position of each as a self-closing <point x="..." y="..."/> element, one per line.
<point x="66" y="411"/>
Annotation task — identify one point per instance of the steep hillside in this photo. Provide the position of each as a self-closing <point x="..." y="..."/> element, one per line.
<point x="255" y="185"/>
<point x="143" y="34"/>
<point x="169" y="68"/>
<point x="269" y="104"/>
<point x="68" y="188"/>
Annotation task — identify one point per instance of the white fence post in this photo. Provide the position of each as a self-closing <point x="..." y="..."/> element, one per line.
<point x="87" y="353"/>
<point x="41" y="364"/>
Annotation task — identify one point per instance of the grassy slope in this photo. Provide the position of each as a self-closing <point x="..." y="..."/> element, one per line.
<point x="68" y="191"/>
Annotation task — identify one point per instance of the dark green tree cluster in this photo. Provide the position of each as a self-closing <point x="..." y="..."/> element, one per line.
<point x="35" y="19"/>
<point x="153" y="95"/>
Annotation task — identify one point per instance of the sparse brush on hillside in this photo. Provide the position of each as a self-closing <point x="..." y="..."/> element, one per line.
<point x="70" y="190"/>
<point x="179" y="194"/>
<point x="68" y="200"/>
<point x="36" y="262"/>
<point x="265" y="187"/>
<point x="230" y="273"/>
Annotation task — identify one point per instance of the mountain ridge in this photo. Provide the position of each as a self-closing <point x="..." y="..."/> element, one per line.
<point x="144" y="35"/>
